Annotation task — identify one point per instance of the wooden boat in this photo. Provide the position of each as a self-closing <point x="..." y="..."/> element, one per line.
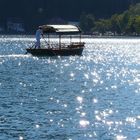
<point x="59" y="48"/>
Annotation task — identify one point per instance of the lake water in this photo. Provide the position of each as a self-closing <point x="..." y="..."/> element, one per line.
<point x="91" y="97"/>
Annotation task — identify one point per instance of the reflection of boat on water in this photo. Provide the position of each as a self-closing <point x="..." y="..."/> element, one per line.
<point x="59" y="48"/>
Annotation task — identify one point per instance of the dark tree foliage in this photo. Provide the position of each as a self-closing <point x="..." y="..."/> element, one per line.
<point x="35" y="12"/>
<point x="87" y="22"/>
<point x="126" y="23"/>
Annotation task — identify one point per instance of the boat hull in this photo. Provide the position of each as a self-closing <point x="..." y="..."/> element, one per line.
<point x="73" y="49"/>
<point x="55" y="52"/>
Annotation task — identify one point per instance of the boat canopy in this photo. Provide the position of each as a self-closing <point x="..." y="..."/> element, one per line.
<point x="61" y="29"/>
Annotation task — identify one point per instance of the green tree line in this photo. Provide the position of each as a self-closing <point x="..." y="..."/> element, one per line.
<point x="126" y="23"/>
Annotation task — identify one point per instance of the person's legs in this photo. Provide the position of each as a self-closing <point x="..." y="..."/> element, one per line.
<point x="37" y="43"/>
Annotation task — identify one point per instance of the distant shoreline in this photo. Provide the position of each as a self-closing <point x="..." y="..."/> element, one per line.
<point x="75" y="36"/>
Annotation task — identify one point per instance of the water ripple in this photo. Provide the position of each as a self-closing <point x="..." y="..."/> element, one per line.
<point x="95" y="96"/>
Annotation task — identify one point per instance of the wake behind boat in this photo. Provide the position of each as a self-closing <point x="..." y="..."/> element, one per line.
<point x="52" y="48"/>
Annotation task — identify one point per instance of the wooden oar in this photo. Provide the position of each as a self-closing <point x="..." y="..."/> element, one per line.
<point x="48" y="45"/>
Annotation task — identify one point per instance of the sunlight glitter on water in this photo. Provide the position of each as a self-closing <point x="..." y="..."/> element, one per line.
<point x="15" y="56"/>
<point x="84" y="123"/>
<point x="95" y="96"/>
<point x="79" y="99"/>
<point x="21" y="138"/>
<point x="121" y="137"/>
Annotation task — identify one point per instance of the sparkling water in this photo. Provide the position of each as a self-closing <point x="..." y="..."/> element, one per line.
<point x="95" y="96"/>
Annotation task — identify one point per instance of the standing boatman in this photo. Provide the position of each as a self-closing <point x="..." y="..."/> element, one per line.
<point x="39" y="33"/>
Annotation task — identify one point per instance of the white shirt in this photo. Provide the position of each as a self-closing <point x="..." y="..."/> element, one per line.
<point x="38" y="34"/>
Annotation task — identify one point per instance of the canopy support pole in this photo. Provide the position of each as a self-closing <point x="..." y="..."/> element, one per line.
<point x="59" y="41"/>
<point x="48" y="41"/>
<point x="80" y="38"/>
<point x="70" y="39"/>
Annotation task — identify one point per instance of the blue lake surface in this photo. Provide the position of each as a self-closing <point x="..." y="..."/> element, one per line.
<point x="91" y="97"/>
